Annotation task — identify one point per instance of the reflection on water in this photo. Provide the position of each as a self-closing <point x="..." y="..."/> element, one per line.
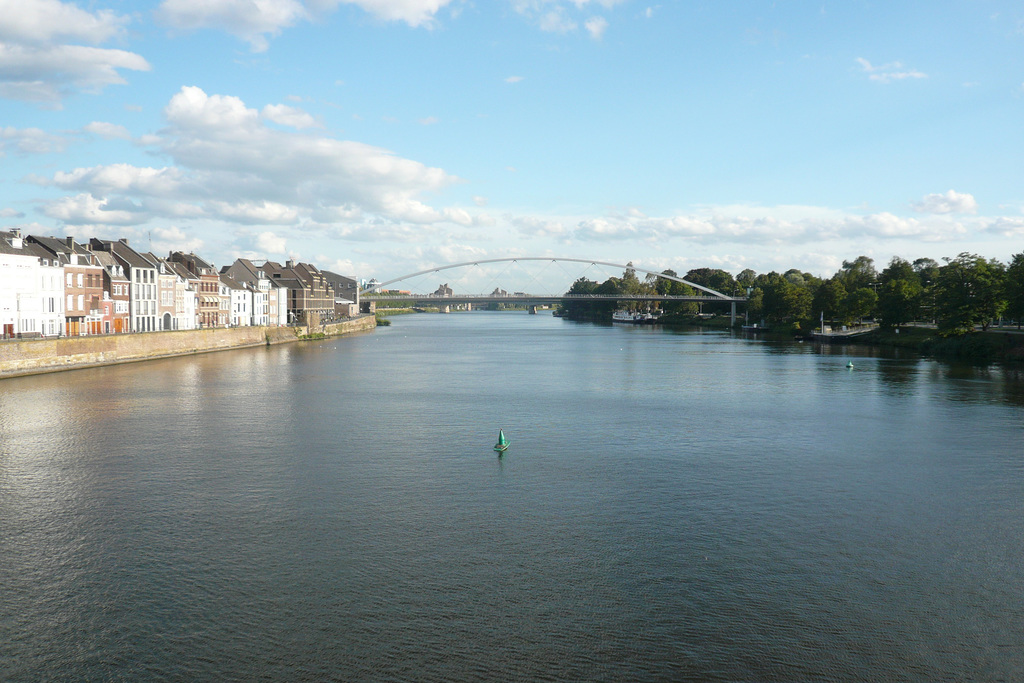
<point x="673" y="507"/>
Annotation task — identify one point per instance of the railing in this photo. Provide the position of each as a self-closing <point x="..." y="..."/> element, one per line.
<point x="525" y="298"/>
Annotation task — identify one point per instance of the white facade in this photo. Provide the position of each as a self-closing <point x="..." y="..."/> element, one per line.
<point x="224" y="316"/>
<point x="20" y="295"/>
<point x="184" y="304"/>
<point x="260" y="316"/>
<point x="241" y="305"/>
<point x="143" y="301"/>
<point x="51" y="297"/>
<point x="282" y="305"/>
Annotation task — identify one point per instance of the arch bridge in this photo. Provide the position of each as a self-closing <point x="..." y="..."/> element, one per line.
<point x="706" y="295"/>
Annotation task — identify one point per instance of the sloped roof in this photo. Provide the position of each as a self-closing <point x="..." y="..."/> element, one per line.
<point x="231" y="282"/>
<point x="133" y="258"/>
<point x="7" y="248"/>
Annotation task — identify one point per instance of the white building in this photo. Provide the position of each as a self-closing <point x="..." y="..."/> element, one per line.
<point x="260" y="316"/>
<point x="143" y="302"/>
<point x="20" y="291"/>
<point x="277" y="302"/>
<point x="241" y="301"/>
<point x="274" y="310"/>
<point x="51" y="292"/>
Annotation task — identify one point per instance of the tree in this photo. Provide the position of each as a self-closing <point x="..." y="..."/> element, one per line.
<point x="746" y="278"/>
<point x="858" y="273"/>
<point x="898" y="303"/>
<point x="713" y="278"/>
<point x="899" y="295"/>
<point x="859" y="303"/>
<point x="969" y="291"/>
<point x="674" y="288"/>
<point x="576" y="309"/>
<point x="898" y="269"/>
<point x="794" y="276"/>
<point x="663" y="285"/>
<point x="927" y="271"/>
<point x="828" y="298"/>
<point x="784" y="302"/>
<point x="1015" y="288"/>
<point x="630" y="283"/>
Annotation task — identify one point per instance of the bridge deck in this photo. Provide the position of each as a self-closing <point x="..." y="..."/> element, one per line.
<point x="531" y="299"/>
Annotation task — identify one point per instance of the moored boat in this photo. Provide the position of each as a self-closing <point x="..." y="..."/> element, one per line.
<point x="634" y="317"/>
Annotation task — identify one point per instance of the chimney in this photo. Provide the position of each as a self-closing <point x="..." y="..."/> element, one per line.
<point x="70" y="241"/>
<point x="124" y="241"/>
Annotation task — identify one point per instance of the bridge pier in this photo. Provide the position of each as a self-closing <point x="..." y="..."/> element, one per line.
<point x="732" y="320"/>
<point x="533" y="310"/>
<point x="446" y="309"/>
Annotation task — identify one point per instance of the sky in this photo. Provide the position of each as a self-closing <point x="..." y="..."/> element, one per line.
<point x="381" y="137"/>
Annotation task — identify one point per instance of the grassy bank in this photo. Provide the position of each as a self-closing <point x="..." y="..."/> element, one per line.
<point x="993" y="345"/>
<point x="677" y="320"/>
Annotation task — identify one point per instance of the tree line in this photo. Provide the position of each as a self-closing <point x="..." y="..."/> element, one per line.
<point x="959" y="295"/>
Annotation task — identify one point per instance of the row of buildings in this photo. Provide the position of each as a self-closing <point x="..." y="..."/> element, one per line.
<point x="53" y="286"/>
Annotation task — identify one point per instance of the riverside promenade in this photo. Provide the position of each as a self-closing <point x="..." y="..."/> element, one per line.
<point x="35" y="356"/>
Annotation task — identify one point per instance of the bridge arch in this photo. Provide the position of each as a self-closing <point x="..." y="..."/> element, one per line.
<point x="436" y="269"/>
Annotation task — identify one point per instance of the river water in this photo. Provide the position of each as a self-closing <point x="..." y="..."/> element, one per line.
<point x="674" y="506"/>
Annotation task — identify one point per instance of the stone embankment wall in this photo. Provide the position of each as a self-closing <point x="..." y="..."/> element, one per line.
<point x="34" y="356"/>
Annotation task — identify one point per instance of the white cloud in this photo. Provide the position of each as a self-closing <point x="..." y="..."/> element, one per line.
<point x="252" y="212"/>
<point x="804" y="226"/>
<point x="603" y="229"/>
<point x="50" y="21"/>
<point x="458" y="216"/>
<point x="373" y="232"/>
<point x="336" y="214"/>
<point x="428" y="121"/>
<point x="513" y="79"/>
<point x="107" y="131"/>
<point x="556" y="21"/>
<point x="558" y="16"/>
<point x="255" y="21"/>
<point x="531" y="226"/>
<point x="412" y="12"/>
<point x="886" y="73"/>
<point x="47" y="74"/>
<point x="193" y="110"/>
<point x="248" y="20"/>
<point x="284" y="115"/>
<point x="269" y="243"/>
<point x="11" y="213"/>
<point x="596" y="26"/>
<point x="345" y="267"/>
<point x="29" y="141"/>
<point x="84" y="209"/>
<point x="231" y="166"/>
<point x="38" y="63"/>
<point x="1007" y="227"/>
<point x="174" y="239"/>
<point x="947" y="202"/>
<point x="123" y="179"/>
<point x="607" y="4"/>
